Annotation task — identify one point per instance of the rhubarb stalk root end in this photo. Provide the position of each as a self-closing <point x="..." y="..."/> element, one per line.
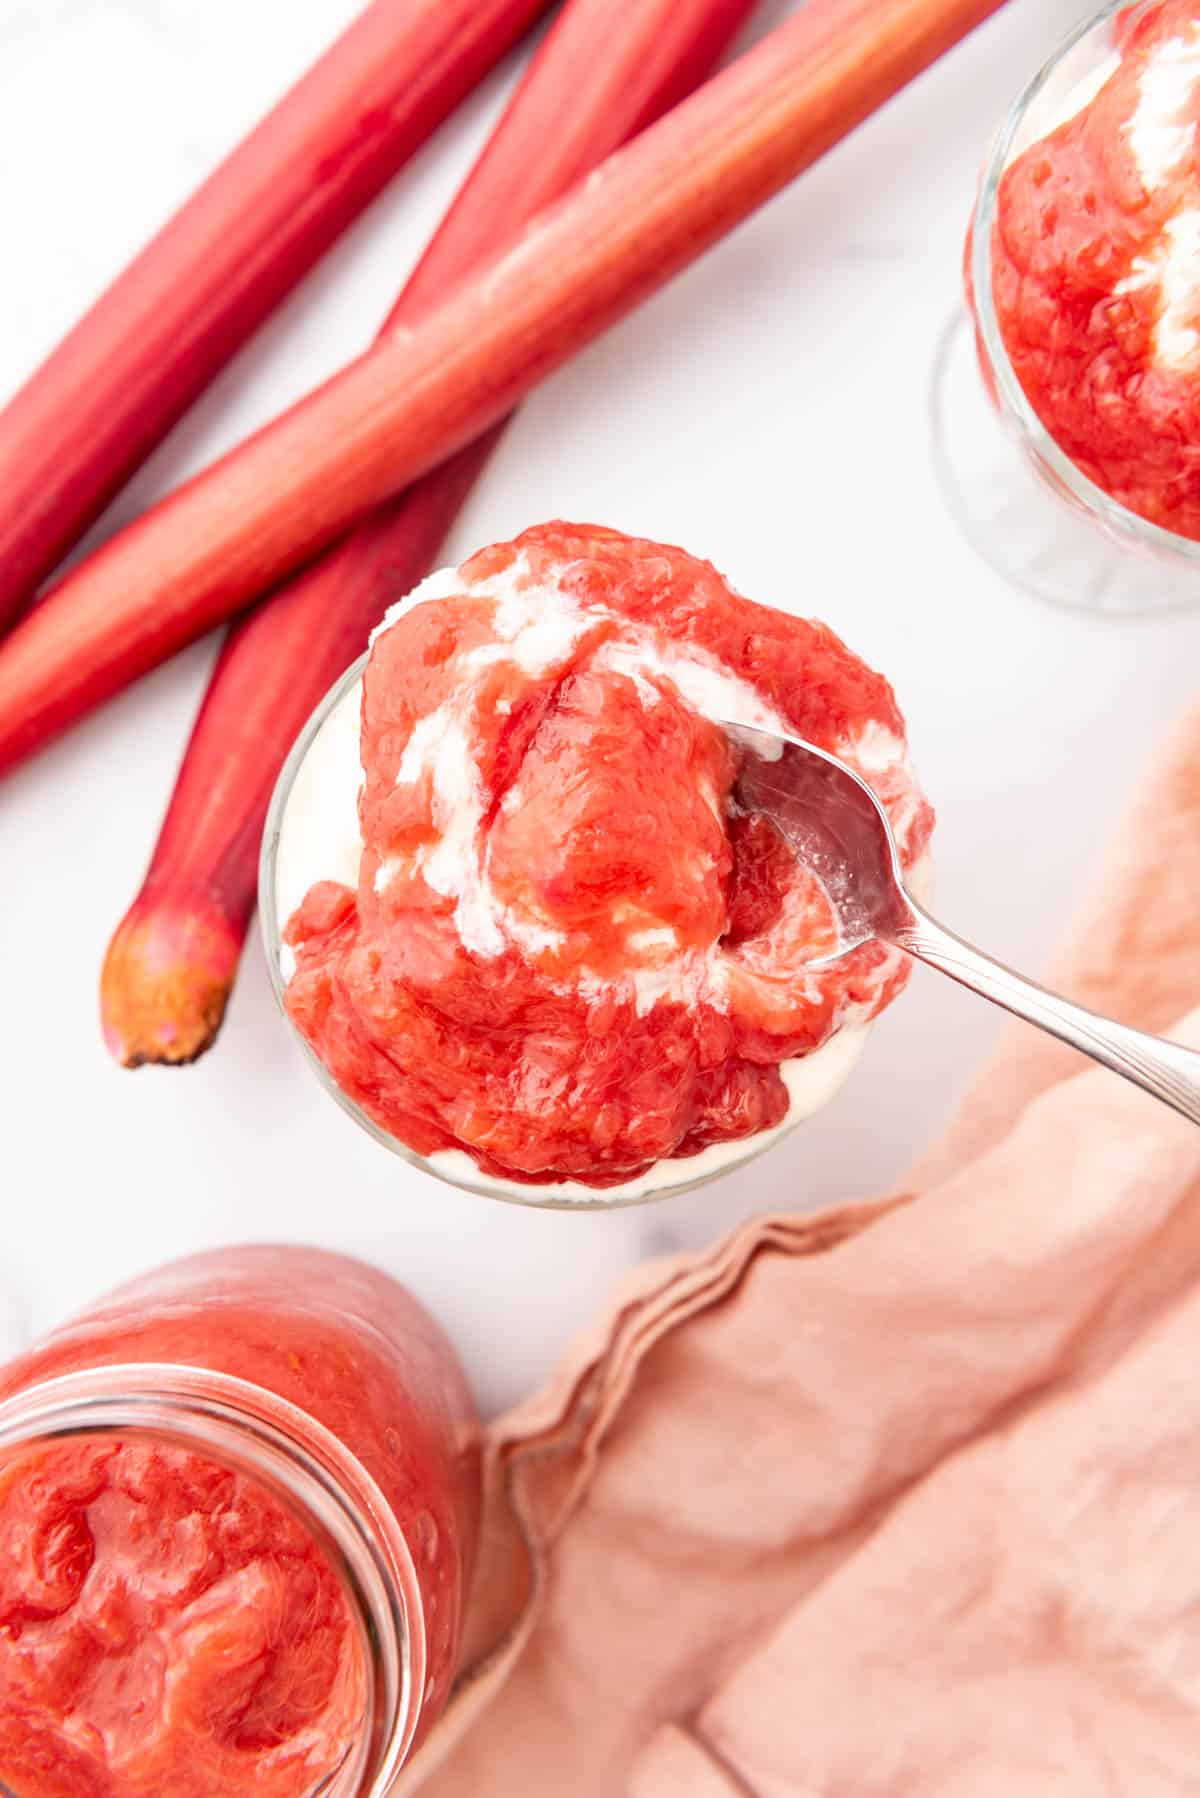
<point x="166" y="982"/>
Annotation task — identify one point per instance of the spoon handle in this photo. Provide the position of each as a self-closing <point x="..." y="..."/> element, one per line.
<point x="1166" y="1069"/>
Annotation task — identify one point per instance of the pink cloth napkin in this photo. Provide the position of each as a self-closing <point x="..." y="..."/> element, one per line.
<point x="903" y="1499"/>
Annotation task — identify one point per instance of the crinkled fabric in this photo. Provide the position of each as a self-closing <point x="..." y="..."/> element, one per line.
<point x="899" y="1500"/>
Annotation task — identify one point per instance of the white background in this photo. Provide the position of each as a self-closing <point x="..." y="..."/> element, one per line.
<point x="768" y="411"/>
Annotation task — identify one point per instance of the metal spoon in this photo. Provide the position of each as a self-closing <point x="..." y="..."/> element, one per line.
<point x="839" y="829"/>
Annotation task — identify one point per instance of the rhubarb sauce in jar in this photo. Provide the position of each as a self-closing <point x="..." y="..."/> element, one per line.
<point x="239" y="1505"/>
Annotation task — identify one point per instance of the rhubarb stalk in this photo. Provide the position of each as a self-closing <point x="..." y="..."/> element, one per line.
<point x="131" y="367"/>
<point x="418" y="396"/>
<point x="173" y="958"/>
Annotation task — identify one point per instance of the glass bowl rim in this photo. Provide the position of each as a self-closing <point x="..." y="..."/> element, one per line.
<point x="1118" y="520"/>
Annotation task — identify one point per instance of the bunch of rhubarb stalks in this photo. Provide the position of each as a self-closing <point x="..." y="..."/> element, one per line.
<point x="620" y="160"/>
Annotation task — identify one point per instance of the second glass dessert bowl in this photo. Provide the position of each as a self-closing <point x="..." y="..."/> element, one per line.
<point x="1024" y="505"/>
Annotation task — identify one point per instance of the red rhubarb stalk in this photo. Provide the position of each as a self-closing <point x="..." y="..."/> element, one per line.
<point x="115" y="386"/>
<point x="418" y="396"/>
<point x="173" y="958"/>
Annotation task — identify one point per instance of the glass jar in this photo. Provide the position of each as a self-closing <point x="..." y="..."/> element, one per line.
<point x="253" y="1429"/>
<point x="1024" y="505"/>
<point x="319" y="784"/>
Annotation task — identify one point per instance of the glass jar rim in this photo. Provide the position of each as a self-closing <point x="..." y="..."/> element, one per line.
<point x="538" y="1198"/>
<point x="1118" y="520"/>
<point x="300" y="1462"/>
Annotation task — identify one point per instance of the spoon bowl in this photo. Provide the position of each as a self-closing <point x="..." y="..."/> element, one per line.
<point x="840" y="831"/>
<point x="837" y="827"/>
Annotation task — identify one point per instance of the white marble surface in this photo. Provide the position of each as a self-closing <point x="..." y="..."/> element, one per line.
<point x="769" y="411"/>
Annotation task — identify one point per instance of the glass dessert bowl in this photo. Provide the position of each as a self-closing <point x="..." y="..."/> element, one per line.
<point x="1066" y="402"/>
<point x="507" y="899"/>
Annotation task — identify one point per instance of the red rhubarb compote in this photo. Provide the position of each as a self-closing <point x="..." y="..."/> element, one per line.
<point x="567" y="953"/>
<point x="1095" y="255"/>
<point x="169" y="1624"/>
